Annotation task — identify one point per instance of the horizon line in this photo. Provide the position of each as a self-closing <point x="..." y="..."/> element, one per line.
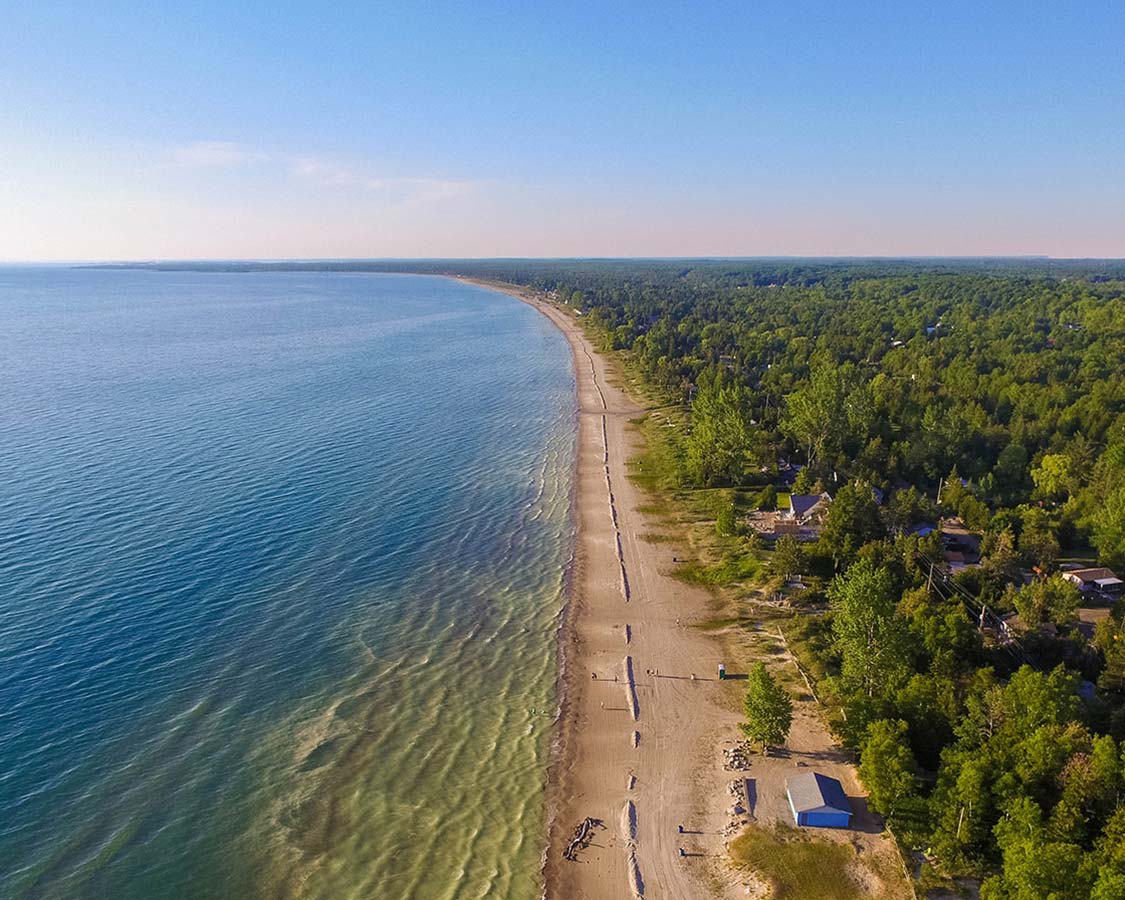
<point x="1034" y="257"/>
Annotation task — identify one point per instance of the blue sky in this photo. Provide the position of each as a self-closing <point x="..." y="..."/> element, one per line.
<point x="439" y="129"/>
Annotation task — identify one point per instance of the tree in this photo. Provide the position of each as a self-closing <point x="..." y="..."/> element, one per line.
<point x="815" y="412"/>
<point x="909" y="507"/>
<point x="788" y="557"/>
<point x="1051" y="599"/>
<point x="831" y="409"/>
<point x="803" y="483"/>
<point x="886" y="765"/>
<point x="767" y="500"/>
<point x="1035" y="866"/>
<point x="722" y="437"/>
<point x="1109" y="529"/>
<point x="1001" y="562"/>
<point x="852" y="520"/>
<point x="1053" y="475"/>
<point x="769" y="710"/>
<point x="869" y="634"/>
<point x="1038" y="542"/>
<point x="1010" y="471"/>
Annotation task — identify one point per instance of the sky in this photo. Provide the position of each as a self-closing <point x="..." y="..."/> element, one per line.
<point x="416" y="129"/>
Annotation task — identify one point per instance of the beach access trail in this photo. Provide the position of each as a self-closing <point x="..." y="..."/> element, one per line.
<point x="637" y="732"/>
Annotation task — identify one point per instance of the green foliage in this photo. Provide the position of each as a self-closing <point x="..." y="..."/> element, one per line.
<point x="726" y="521"/>
<point x="853" y="520"/>
<point x="803" y="483"/>
<point x="834" y="408"/>
<point x="1053" y="476"/>
<point x="887" y="766"/>
<point x="1051" y="599"/>
<point x="768" y="709"/>
<point x="788" y="557"/>
<point x="767" y="500"/>
<point x="1109" y="529"/>
<point x="722" y="438"/>
<point x="870" y="635"/>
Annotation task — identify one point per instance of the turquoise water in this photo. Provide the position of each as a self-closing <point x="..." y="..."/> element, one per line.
<point x="281" y="564"/>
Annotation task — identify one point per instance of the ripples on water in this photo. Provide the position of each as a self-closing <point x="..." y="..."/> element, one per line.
<point x="281" y="562"/>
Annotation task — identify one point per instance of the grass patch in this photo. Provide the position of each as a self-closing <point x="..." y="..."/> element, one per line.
<point x="733" y="567"/>
<point x="797" y="867"/>
<point x="656" y="537"/>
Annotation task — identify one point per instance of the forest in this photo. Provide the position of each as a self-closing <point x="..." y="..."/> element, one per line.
<point x="990" y="726"/>
<point x="991" y="392"/>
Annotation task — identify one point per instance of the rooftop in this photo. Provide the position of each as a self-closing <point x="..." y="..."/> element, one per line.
<point x="811" y="792"/>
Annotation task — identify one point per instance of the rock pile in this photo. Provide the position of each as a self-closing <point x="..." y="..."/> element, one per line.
<point x="737" y="758"/>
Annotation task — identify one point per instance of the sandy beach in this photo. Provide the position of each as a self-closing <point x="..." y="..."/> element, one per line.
<point x="637" y="743"/>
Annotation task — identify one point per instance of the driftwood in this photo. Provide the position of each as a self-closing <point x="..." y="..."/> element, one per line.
<point x="583" y="834"/>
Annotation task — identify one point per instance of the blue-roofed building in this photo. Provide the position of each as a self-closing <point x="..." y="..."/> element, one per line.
<point x="818" y="801"/>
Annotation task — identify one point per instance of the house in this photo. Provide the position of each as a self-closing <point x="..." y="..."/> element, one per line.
<point x="786" y="473"/>
<point x="1099" y="580"/>
<point x="808" y="508"/>
<point x="956" y="560"/>
<point x="818" y="801"/>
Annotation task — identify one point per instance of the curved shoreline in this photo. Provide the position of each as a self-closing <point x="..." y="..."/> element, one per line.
<point x="647" y="745"/>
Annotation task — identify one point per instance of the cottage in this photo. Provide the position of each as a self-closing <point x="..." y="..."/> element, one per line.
<point x="818" y="801"/>
<point x="808" y="508"/>
<point x="1099" y="580"/>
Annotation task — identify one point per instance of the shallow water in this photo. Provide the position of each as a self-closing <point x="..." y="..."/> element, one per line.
<point x="281" y="564"/>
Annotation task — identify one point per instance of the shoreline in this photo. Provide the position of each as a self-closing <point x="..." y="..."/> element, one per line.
<point x="632" y="749"/>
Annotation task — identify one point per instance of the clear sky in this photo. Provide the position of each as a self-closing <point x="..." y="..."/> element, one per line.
<point x="267" y="130"/>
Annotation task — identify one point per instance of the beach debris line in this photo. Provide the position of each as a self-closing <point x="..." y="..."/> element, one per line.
<point x="583" y="834"/>
<point x="629" y="821"/>
<point x="631" y="689"/>
<point x="635" y="880"/>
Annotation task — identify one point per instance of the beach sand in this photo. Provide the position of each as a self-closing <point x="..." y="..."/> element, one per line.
<point x="637" y="744"/>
